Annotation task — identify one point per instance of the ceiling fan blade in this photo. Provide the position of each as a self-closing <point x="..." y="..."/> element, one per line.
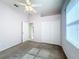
<point x="33" y="10"/>
<point x="28" y="1"/>
<point x="36" y="5"/>
<point x="21" y="3"/>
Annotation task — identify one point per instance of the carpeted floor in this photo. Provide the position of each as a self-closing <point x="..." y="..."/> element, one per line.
<point x="33" y="50"/>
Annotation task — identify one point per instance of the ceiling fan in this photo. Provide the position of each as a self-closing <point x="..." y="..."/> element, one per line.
<point x="29" y="7"/>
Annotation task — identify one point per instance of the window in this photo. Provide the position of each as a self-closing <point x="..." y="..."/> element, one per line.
<point x="72" y="22"/>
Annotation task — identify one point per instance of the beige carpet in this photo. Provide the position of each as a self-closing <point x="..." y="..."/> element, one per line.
<point x="33" y="50"/>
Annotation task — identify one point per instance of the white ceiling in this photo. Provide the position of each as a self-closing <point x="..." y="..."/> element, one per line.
<point x="49" y="7"/>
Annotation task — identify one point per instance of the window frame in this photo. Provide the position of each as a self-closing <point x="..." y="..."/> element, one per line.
<point x="76" y="23"/>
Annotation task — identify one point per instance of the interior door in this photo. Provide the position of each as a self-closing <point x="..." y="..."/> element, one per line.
<point x="31" y="28"/>
<point x="25" y="31"/>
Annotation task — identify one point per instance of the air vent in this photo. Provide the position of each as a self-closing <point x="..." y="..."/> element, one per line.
<point x="16" y="5"/>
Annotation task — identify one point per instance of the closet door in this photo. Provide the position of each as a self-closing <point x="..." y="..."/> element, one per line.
<point x="51" y="32"/>
<point x="37" y="31"/>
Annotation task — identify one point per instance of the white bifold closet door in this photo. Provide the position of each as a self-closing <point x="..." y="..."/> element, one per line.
<point x="47" y="32"/>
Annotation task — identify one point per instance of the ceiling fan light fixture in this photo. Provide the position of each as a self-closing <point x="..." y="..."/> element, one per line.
<point x="29" y="6"/>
